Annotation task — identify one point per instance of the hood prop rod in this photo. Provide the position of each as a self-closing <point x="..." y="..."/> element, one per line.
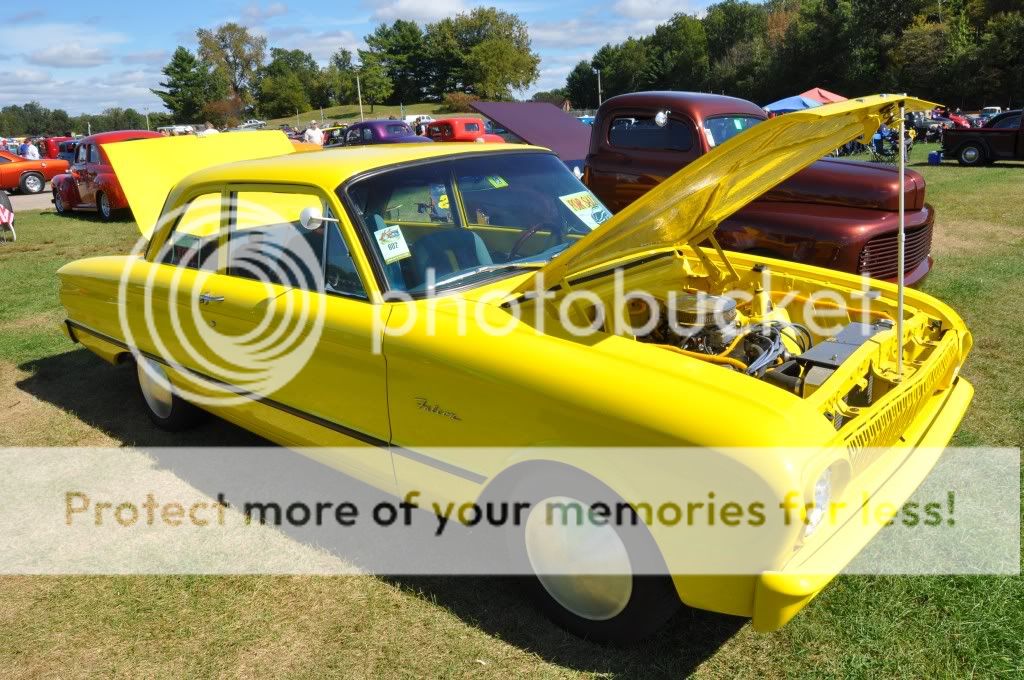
<point x="901" y="241"/>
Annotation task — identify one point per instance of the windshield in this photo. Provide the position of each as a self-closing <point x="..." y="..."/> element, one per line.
<point x="469" y="219"/>
<point x="722" y="128"/>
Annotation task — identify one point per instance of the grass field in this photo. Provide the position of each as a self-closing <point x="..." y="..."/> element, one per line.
<point x="54" y="394"/>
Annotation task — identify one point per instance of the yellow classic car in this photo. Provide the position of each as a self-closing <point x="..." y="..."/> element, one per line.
<point x="414" y="304"/>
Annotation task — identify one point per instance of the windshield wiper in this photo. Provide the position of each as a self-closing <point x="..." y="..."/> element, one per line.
<point x="484" y="268"/>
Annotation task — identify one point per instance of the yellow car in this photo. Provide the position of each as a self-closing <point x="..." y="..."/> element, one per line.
<point x="452" y="318"/>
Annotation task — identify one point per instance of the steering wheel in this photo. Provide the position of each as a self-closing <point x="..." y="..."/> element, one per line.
<point x="557" y="232"/>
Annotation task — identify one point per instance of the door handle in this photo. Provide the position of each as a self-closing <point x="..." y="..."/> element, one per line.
<point x="207" y="298"/>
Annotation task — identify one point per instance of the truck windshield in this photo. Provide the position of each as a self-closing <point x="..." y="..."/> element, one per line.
<point x="723" y="128"/>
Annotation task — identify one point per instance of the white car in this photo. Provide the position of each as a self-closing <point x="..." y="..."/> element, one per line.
<point x="252" y="123"/>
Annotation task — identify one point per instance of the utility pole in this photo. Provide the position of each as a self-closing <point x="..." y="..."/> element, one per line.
<point x="321" y="115"/>
<point x="147" y="118"/>
<point x="598" y="86"/>
<point x="359" y="93"/>
<point x="296" y="119"/>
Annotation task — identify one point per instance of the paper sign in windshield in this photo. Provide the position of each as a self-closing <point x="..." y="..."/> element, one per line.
<point x="586" y="207"/>
<point x="391" y="242"/>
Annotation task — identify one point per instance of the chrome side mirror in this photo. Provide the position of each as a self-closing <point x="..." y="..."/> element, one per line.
<point x="312" y="218"/>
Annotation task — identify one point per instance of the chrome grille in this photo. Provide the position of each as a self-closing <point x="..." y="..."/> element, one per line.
<point x="880" y="256"/>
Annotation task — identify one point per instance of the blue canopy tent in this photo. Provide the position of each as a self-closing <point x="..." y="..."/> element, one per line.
<point x="794" y="103"/>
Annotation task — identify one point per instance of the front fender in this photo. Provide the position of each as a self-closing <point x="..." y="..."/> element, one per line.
<point x="64" y="184"/>
<point x="107" y="183"/>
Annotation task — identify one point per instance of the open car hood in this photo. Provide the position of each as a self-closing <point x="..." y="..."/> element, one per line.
<point x="147" y="169"/>
<point x="688" y="206"/>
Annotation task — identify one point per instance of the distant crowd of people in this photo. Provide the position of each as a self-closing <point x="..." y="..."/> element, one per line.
<point x="26" y="148"/>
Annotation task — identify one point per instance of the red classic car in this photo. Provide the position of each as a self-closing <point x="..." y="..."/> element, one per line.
<point x="91" y="182"/>
<point x="49" y="147"/>
<point x="28" y="177"/>
<point x="461" y="130"/>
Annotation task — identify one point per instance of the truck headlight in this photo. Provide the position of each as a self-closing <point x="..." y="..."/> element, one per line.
<point x="822" y="498"/>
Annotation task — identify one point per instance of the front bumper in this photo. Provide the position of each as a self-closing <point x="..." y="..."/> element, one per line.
<point x="780" y="595"/>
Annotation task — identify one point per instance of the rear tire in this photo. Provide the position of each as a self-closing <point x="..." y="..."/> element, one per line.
<point x="609" y="607"/>
<point x="32" y="183"/>
<point x="103" y="207"/>
<point x="164" y="407"/>
<point x="971" y="154"/>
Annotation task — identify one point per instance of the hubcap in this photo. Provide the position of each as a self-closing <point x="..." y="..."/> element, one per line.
<point x="584" y="566"/>
<point x="104" y="205"/>
<point x="156" y="389"/>
<point x="33" y="184"/>
<point x="970" y="154"/>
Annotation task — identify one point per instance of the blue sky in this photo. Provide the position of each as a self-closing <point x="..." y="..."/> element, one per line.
<point x="87" y="56"/>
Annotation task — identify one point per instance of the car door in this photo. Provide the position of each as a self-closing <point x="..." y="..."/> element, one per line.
<point x="80" y="173"/>
<point x="325" y="385"/>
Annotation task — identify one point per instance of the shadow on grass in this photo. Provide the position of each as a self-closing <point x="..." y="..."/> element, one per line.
<point x="106" y="398"/>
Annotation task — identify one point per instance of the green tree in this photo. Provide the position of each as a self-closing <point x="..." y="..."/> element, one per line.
<point x="678" y="55"/>
<point x="188" y="86"/>
<point x="400" y="50"/>
<point x="732" y="22"/>
<point x="495" y="67"/>
<point x="581" y="86"/>
<point x="236" y="55"/>
<point x="374" y="81"/>
<point x="342" y="77"/>
<point x="555" y="96"/>
<point x="453" y="64"/>
<point x="282" y="95"/>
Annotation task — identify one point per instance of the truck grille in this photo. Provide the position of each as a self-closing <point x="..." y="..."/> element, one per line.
<point x="880" y="256"/>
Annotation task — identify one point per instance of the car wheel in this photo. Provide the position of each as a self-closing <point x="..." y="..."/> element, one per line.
<point x="31" y="183"/>
<point x="166" y="409"/>
<point x="971" y="154"/>
<point x="103" y="206"/>
<point x="583" y="574"/>
<point x="58" y="203"/>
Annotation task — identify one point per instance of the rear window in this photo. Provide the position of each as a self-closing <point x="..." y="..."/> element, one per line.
<point x="472" y="127"/>
<point x="1007" y="122"/>
<point x="641" y="132"/>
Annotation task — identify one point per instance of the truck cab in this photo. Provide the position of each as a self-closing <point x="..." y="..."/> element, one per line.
<point x="1000" y="139"/>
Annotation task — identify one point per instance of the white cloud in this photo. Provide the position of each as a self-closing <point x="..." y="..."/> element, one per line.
<point x="255" y="13"/>
<point x="651" y="11"/>
<point x="69" y="55"/>
<point x="321" y="45"/>
<point x="418" y="10"/>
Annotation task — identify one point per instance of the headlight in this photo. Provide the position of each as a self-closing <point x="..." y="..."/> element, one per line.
<point x="822" y="498"/>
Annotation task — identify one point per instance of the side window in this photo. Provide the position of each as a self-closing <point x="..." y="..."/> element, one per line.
<point x="352" y="137"/>
<point x="472" y="127"/>
<point x="267" y="242"/>
<point x="339" y="270"/>
<point x="193" y="243"/>
<point x="641" y="132"/>
<point x="94" y="154"/>
<point x="1008" y="123"/>
<point x="367" y="134"/>
<point x="83" y="153"/>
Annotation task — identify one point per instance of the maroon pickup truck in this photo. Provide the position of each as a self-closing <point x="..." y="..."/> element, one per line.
<point x="1000" y="139"/>
<point x="837" y="214"/>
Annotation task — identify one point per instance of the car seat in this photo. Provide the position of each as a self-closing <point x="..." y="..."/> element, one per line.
<point x="448" y="251"/>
